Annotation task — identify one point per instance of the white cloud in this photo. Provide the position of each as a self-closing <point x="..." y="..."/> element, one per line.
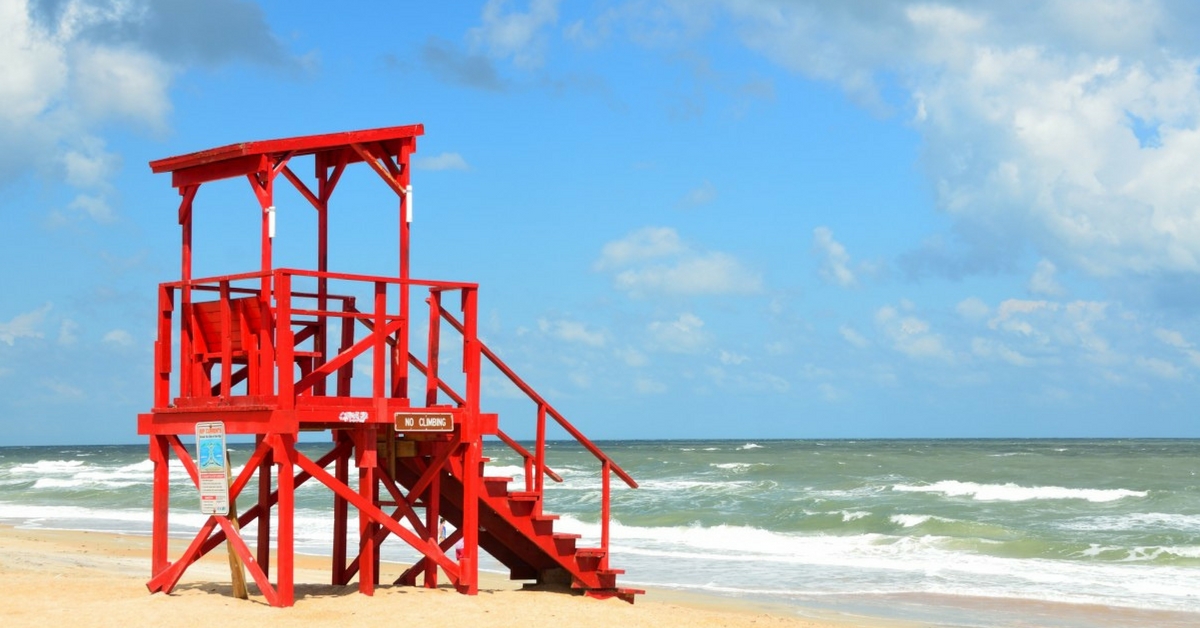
<point x="632" y="357"/>
<point x="702" y="195"/>
<point x="834" y="259"/>
<point x="1073" y="127"/>
<point x="853" y="337"/>
<point x="911" y="335"/>
<point x="683" y="335"/>
<point x="23" y="325"/>
<point x="973" y="308"/>
<point x="992" y="349"/>
<point x="72" y="68"/>
<point x="1160" y="368"/>
<point x="654" y="260"/>
<point x="67" y="332"/>
<point x="647" y="386"/>
<point x="708" y="274"/>
<point x="119" y="337"/>
<point x="1172" y="338"/>
<point x="732" y="359"/>
<point x="572" y="331"/>
<point x="442" y="161"/>
<point x="830" y="393"/>
<point x="123" y="83"/>
<point x="644" y="244"/>
<point x="62" y="390"/>
<point x="1043" y="282"/>
<point x="515" y="34"/>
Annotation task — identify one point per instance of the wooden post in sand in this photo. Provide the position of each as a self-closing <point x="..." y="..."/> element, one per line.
<point x="237" y="572"/>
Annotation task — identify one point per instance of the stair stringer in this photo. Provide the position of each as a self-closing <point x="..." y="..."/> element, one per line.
<point x="514" y="531"/>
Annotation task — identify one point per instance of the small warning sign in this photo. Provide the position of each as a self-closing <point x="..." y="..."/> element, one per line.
<point x="210" y="460"/>
<point x="424" y="422"/>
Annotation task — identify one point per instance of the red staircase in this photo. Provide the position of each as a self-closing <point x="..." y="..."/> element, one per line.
<point x="515" y="531"/>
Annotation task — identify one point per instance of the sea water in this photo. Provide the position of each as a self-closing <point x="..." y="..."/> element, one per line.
<point x="870" y="525"/>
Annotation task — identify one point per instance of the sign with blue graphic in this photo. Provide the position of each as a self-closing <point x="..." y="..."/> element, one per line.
<point x="210" y="461"/>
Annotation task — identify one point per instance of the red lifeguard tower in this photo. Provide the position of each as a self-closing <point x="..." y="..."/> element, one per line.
<point x="273" y="352"/>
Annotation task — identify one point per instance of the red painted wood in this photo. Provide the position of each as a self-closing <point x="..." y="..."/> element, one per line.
<point x="256" y="354"/>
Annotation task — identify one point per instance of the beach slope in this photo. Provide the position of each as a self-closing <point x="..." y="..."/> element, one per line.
<point x="71" y="578"/>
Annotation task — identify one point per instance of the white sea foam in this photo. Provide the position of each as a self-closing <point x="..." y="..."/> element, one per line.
<point x="853" y="515"/>
<point x="510" y="471"/>
<point x="724" y="556"/>
<point x="751" y="446"/>
<point x="1139" y="521"/>
<point x="1014" y="493"/>
<point x="737" y="466"/>
<point x="909" y="521"/>
<point x="47" y="466"/>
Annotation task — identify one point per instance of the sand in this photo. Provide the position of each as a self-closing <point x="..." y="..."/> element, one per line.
<point x="76" y="579"/>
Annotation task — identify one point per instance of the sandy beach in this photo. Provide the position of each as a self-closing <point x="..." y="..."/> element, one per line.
<point x="52" y="578"/>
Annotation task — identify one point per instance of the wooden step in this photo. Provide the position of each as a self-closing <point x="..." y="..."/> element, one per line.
<point x="564" y="542"/>
<point x="590" y="552"/>
<point x="496" y="486"/>
<point x="543" y="524"/>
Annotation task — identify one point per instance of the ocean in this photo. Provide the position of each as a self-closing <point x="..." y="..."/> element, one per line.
<point x="919" y="529"/>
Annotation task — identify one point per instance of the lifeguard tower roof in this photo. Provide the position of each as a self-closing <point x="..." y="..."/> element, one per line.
<point x="246" y="157"/>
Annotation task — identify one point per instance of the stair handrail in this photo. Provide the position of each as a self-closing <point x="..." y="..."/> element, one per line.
<point x="542" y="403"/>
<point x="529" y="459"/>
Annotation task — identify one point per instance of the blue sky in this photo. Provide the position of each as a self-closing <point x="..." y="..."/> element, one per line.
<point x="690" y="219"/>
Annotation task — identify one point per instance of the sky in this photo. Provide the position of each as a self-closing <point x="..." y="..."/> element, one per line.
<point x="688" y="218"/>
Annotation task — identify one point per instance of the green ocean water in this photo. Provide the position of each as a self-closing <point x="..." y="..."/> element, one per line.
<point x="825" y="523"/>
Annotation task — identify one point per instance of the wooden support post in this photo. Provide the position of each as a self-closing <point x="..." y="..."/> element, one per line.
<point x="469" y="565"/>
<point x="264" y="509"/>
<point x="160" y="454"/>
<point x="340" y="513"/>
<point x="237" y="572"/>
<point x="285" y="457"/>
<point x="368" y="489"/>
<point x="433" y="521"/>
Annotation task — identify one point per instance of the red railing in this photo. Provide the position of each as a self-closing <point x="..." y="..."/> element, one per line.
<point x="270" y="353"/>
<point x="540" y="470"/>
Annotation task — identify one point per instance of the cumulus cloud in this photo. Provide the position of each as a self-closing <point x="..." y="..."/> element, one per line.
<point x="572" y="331"/>
<point x="655" y="260"/>
<point x="731" y="358"/>
<point x="442" y="161"/>
<point x="973" y="308"/>
<point x="835" y="262"/>
<point x="911" y="335"/>
<point x="68" y="332"/>
<point x="644" y="244"/>
<point x="702" y="195"/>
<point x="850" y="335"/>
<point x="985" y="348"/>
<point x="514" y="34"/>
<point x="71" y="67"/>
<point x="1069" y="127"/>
<point x="25" y="325"/>
<point x="1043" y="281"/>
<point x="119" y="338"/>
<point x="685" y="334"/>
<point x="1050" y="326"/>
<point x="631" y="356"/>
<point x="648" y="386"/>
